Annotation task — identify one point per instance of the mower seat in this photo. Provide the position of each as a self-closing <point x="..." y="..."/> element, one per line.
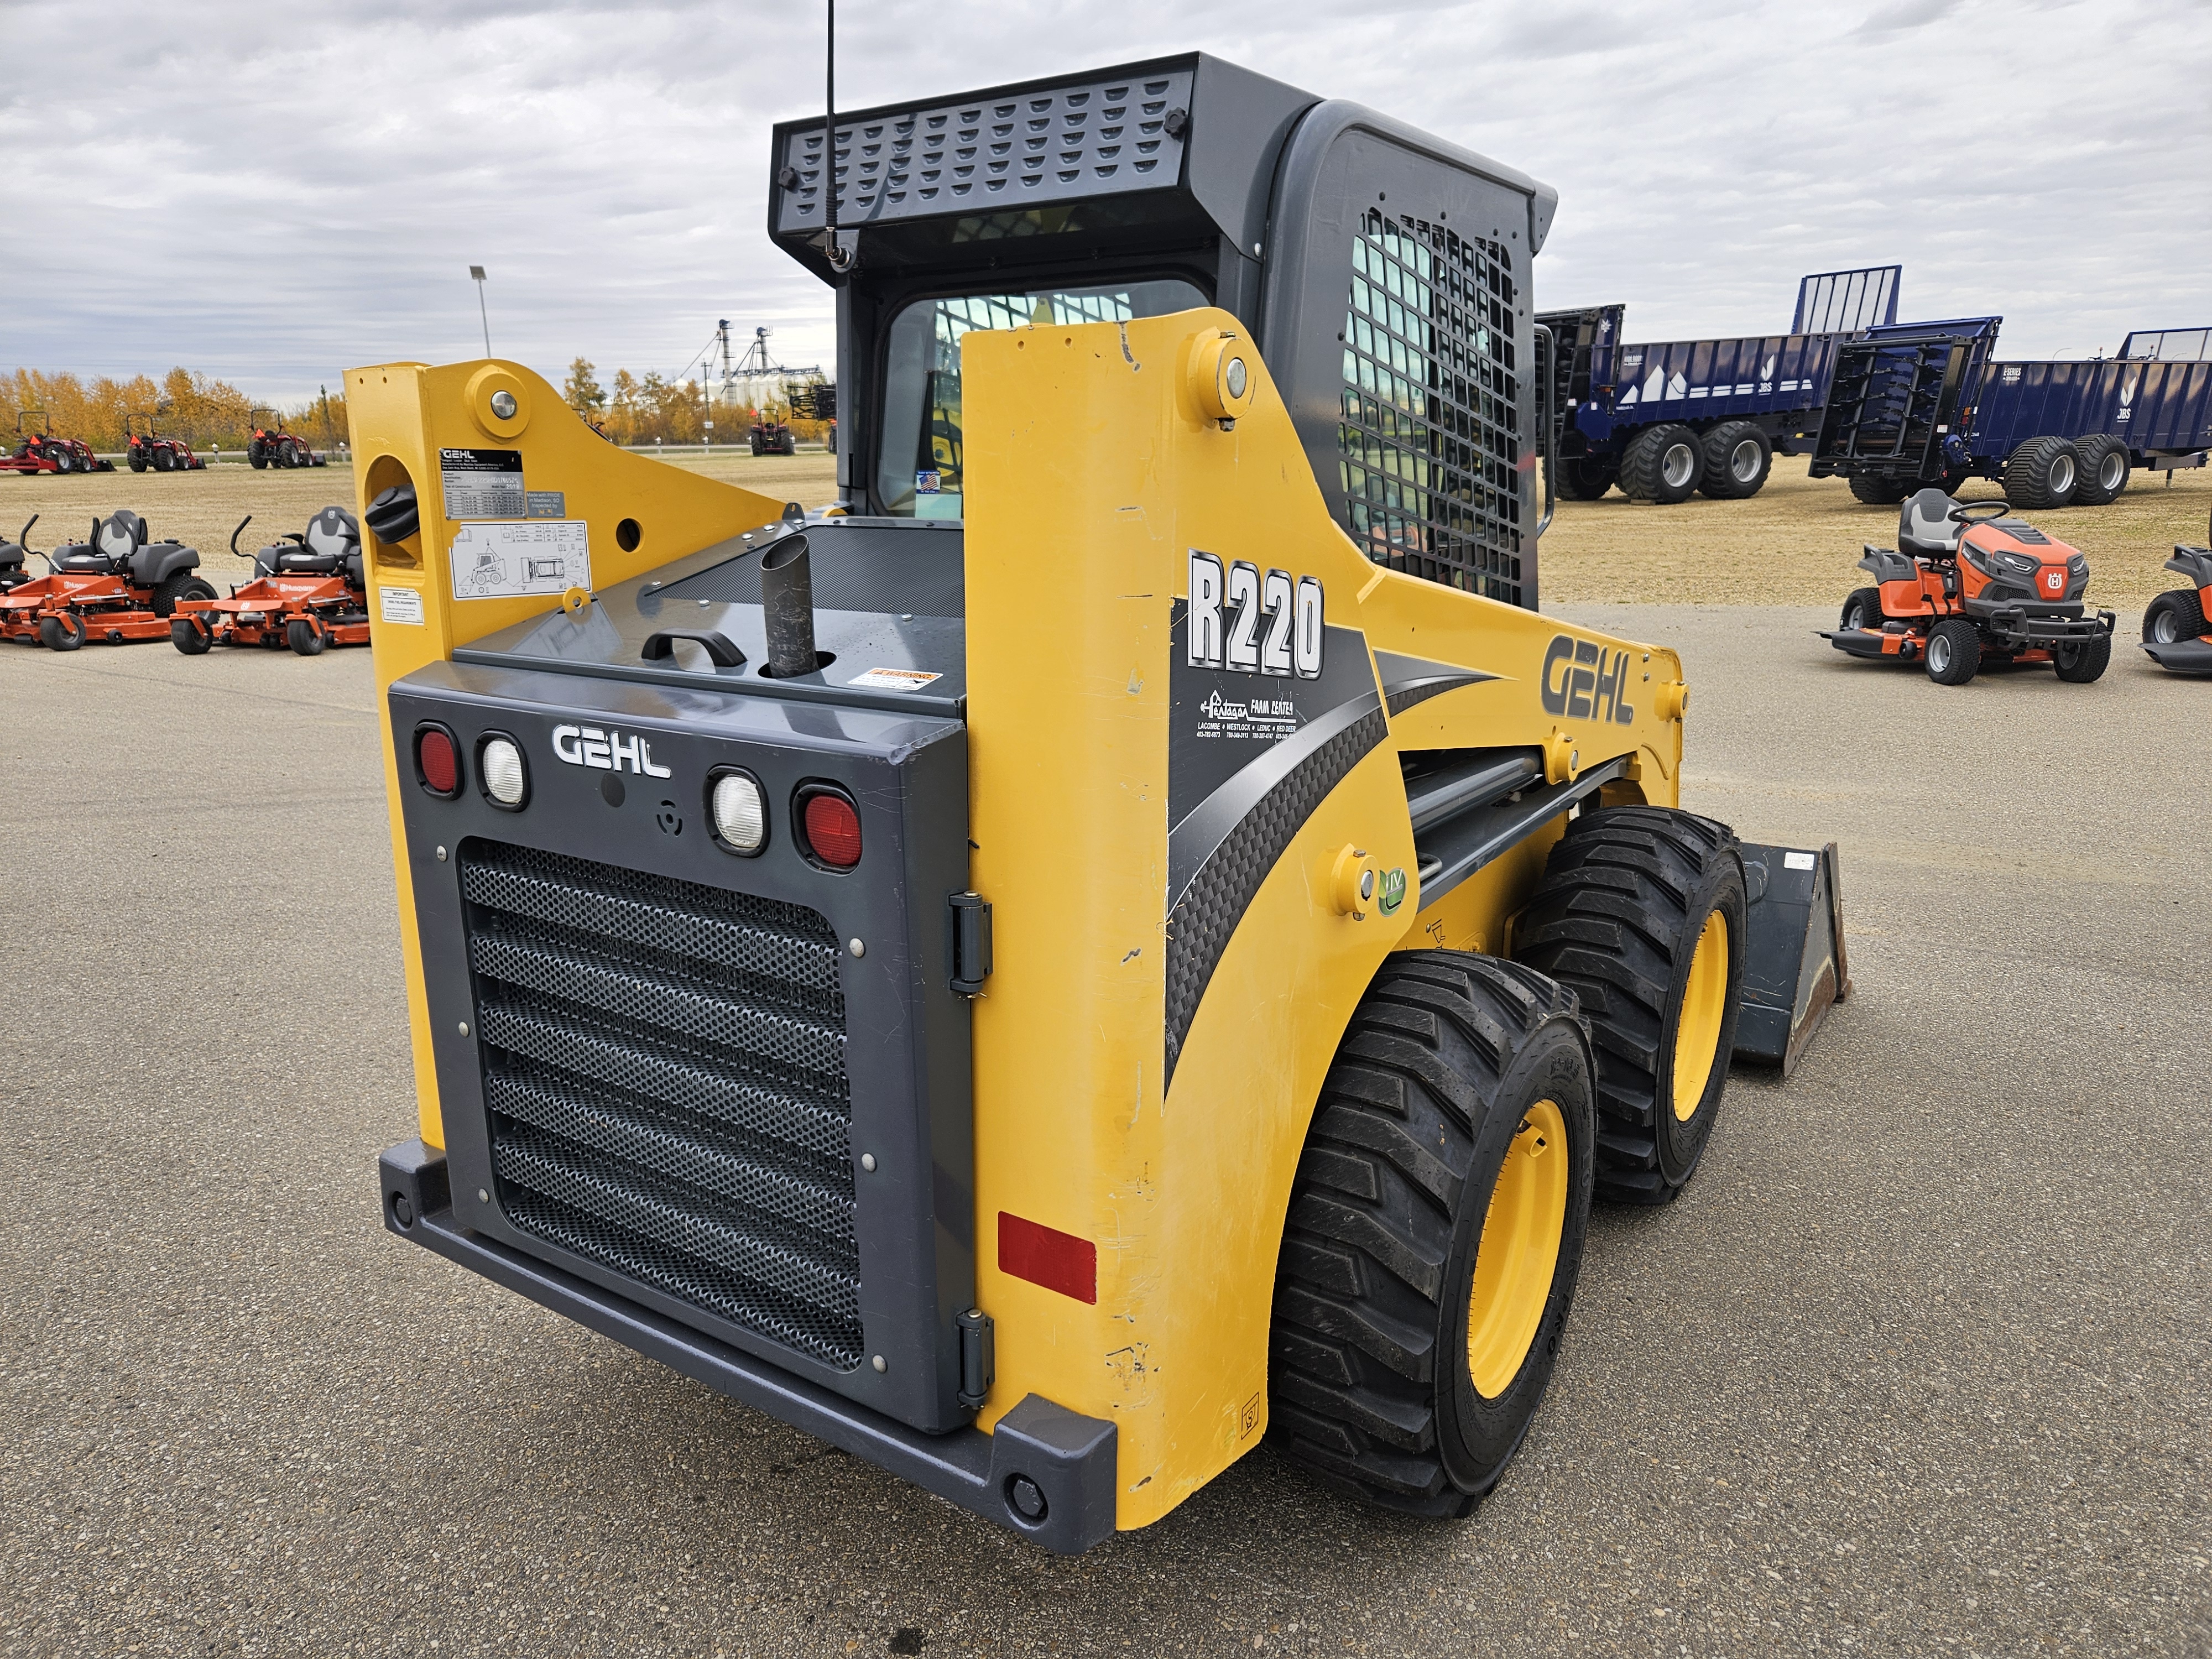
<point x="114" y="539"/>
<point x="1925" y="529"/>
<point x="333" y="536"/>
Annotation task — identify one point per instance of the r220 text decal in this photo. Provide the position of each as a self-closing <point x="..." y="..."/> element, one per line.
<point x="1252" y="622"/>
<point x="1578" y="683"/>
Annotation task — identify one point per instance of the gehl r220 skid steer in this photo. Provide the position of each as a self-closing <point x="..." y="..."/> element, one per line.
<point x="1128" y="934"/>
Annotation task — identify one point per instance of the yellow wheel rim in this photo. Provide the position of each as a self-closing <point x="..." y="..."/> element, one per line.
<point x="1697" y="1032"/>
<point x="1519" y="1252"/>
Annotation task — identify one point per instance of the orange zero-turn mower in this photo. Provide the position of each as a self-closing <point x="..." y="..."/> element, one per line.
<point x="1967" y="588"/>
<point x="116" y="587"/>
<point x="2176" y="631"/>
<point x="307" y="592"/>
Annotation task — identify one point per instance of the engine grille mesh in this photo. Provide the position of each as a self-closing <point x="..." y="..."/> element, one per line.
<point x="663" y="1068"/>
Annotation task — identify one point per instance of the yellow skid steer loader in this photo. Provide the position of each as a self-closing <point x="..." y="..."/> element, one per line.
<point x="1126" y="935"/>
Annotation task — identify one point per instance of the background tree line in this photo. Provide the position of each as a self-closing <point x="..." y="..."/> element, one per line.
<point x="649" y="408"/>
<point x="202" y="411"/>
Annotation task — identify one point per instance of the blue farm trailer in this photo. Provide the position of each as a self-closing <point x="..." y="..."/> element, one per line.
<point x="1919" y="403"/>
<point x="1664" y="421"/>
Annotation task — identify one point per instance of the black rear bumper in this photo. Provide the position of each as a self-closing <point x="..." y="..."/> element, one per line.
<point x="1046" y="1472"/>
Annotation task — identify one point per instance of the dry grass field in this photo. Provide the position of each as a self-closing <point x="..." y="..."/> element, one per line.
<point x="1797" y="542"/>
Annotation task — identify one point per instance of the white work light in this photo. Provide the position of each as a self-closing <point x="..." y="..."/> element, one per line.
<point x="503" y="777"/>
<point x="740" y="814"/>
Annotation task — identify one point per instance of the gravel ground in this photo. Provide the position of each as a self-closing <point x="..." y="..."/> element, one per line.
<point x="1919" y="1363"/>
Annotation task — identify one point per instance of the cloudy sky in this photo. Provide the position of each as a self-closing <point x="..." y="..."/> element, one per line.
<point x="270" y="193"/>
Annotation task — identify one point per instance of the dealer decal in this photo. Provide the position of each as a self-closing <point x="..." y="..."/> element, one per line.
<point x="1578" y="683"/>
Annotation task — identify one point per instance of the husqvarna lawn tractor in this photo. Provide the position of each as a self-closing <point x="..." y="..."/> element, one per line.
<point x="115" y="588"/>
<point x="1086" y="959"/>
<point x="14" y="558"/>
<point x="159" y="451"/>
<point x="1967" y="588"/>
<point x="39" y="451"/>
<point x="307" y="592"/>
<point x="2176" y="631"/>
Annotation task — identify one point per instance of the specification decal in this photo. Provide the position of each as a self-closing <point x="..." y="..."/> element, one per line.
<point x="509" y="561"/>
<point x="482" y="483"/>
<point x="400" y="604"/>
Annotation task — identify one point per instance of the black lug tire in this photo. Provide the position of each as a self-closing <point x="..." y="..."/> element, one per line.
<point x="1368" y="1376"/>
<point x="2083" y="664"/>
<point x="2042" y="474"/>
<point x="181" y="586"/>
<point x="63" y="462"/>
<point x="1862" y="610"/>
<point x="137" y="459"/>
<point x="63" y="633"/>
<point x="188" y="636"/>
<point x="1878" y="492"/>
<point x="2172" y="616"/>
<point x="2095" y="458"/>
<point x="164" y="461"/>
<point x="1730" y="477"/>
<point x="1625" y="898"/>
<point x="305" y="638"/>
<point x="1953" y="651"/>
<point x="1644" y="465"/>
<point x="256" y="458"/>
<point x="1586" y="477"/>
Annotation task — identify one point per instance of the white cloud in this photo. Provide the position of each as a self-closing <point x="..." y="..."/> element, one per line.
<point x="270" y="197"/>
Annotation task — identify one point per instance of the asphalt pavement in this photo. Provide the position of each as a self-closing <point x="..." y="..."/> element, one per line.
<point x="1918" y="1364"/>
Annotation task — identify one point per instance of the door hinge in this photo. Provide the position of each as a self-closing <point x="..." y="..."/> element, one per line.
<point x="979" y="1359"/>
<point x="969" y="942"/>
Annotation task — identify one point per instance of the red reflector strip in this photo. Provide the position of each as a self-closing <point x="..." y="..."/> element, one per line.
<point x="435" y="751"/>
<point x="1045" y="1255"/>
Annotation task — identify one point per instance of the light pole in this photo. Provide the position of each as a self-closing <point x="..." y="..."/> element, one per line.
<point x="476" y="275"/>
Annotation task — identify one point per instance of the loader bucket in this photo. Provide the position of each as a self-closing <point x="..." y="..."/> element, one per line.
<point x="1794" y="968"/>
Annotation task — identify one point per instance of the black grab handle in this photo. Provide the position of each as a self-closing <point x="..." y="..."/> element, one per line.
<point x="720" y="648"/>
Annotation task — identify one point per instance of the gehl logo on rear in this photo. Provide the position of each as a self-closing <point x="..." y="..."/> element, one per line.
<point x="1578" y="685"/>
<point x="605" y="751"/>
<point x="1226" y="611"/>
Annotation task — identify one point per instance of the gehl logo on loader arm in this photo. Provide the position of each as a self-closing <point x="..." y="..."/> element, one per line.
<point x="1578" y="685"/>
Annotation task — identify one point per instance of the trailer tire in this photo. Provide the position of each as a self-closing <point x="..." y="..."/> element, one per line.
<point x="1738" y="458"/>
<point x="2042" y="473"/>
<point x="1861" y="609"/>
<point x="1953" y="653"/>
<point x="2101" y="463"/>
<point x="62" y="632"/>
<point x="1641" y="915"/>
<point x="2173" y="616"/>
<point x="2084" y="664"/>
<point x="189" y="635"/>
<point x="1586" y="477"/>
<point x="1457" y="1077"/>
<point x="1662" y="464"/>
<point x="1878" y="492"/>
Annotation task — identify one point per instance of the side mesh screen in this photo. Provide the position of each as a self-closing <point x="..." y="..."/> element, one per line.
<point x="1431" y="428"/>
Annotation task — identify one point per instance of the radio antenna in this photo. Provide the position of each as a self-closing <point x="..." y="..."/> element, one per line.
<point x="839" y="257"/>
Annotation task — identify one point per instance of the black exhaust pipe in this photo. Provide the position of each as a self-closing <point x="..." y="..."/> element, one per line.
<point x="788" y="606"/>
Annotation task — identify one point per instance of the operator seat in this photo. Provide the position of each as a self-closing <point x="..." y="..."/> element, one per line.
<point x="1925" y="529"/>
<point x="114" y="539"/>
<point x="332" y="536"/>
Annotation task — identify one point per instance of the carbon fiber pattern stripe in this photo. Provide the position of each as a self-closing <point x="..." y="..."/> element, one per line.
<point x="1200" y="926"/>
<point x="1401" y="701"/>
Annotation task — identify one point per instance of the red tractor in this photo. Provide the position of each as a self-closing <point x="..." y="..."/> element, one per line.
<point x="115" y="588"/>
<point x="271" y="446"/>
<point x="1969" y="587"/>
<point x="2177" y="625"/>
<point x="39" y="450"/>
<point x="772" y="438"/>
<point x="164" y="454"/>
<point x="308" y="592"/>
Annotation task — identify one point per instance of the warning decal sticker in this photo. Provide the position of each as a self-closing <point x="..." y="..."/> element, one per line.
<point x="482" y="483"/>
<point x="510" y="561"/>
<point x="894" y="679"/>
<point x="400" y="604"/>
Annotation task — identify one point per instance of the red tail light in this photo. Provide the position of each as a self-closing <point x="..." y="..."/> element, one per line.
<point x="438" y="761"/>
<point x="833" y="830"/>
